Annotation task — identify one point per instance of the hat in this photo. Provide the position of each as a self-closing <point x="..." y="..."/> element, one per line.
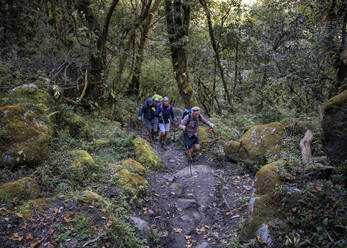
<point x="165" y="99"/>
<point x="195" y="109"/>
<point x="156" y="99"/>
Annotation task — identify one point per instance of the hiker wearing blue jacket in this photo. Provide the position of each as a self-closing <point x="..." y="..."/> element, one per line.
<point x="164" y="112"/>
<point x="148" y="111"/>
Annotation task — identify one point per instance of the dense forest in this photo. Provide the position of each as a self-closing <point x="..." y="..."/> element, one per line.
<point x="79" y="169"/>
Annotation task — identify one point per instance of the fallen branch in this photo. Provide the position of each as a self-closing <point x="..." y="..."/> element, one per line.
<point x="93" y="240"/>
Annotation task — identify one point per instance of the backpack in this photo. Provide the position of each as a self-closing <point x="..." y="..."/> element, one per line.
<point x="185" y="113"/>
<point x="160" y="105"/>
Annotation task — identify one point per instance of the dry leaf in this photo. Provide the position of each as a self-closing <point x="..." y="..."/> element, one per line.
<point x="15" y="236"/>
<point x="108" y="224"/>
<point x="188" y="237"/>
<point x="51" y="230"/>
<point x="165" y="233"/>
<point x="228" y="213"/>
<point x="19" y="215"/>
<point x="103" y="211"/>
<point x="29" y="236"/>
<point x="36" y="242"/>
<point x="25" y="225"/>
<point x="178" y="230"/>
<point x="190" y="194"/>
<point x="55" y="210"/>
<point x="200" y="230"/>
<point x="50" y="245"/>
<point x="4" y="212"/>
<point x="67" y="219"/>
<point x="216" y="234"/>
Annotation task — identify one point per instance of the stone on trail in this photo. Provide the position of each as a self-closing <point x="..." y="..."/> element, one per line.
<point x="144" y="228"/>
<point x="186" y="203"/>
<point x="196" y="170"/>
<point x="203" y="245"/>
<point x="334" y="127"/>
<point x="176" y="189"/>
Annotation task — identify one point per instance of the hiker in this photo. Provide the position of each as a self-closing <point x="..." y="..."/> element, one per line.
<point x="164" y="112"/>
<point x="148" y="112"/>
<point x="156" y="102"/>
<point x="190" y="126"/>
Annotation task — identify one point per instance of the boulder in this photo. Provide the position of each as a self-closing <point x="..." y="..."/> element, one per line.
<point x="146" y="155"/>
<point x="264" y="204"/>
<point x="131" y="181"/>
<point x="24" y="136"/>
<point x="134" y="166"/>
<point x="78" y="127"/>
<point x="29" y="208"/>
<point x="144" y="228"/>
<point x="82" y="164"/>
<point x="257" y="144"/>
<point x="334" y="127"/>
<point x="24" y="188"/>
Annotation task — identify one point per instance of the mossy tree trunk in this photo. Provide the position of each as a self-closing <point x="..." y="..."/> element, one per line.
<point x="97" y="58"/>
<point x="177" y="19"/>
<point x="134" y="86"/>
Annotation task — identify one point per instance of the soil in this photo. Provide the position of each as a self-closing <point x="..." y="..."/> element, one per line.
<point x="202" y="206"/>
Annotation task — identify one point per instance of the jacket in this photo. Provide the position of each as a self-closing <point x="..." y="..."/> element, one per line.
<point x="147" y="111"/>
<point x="166" y="112"/>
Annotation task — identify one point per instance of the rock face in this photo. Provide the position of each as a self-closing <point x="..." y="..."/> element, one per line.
<point x="131" y="181"/>
<point x="334" y="126"/>
<point x="264" y="202"/>
<point x="258" y="143"/>
<point x="24" y="136"/>
<point x="25" y="188"/>
<point x="146" y="155"/>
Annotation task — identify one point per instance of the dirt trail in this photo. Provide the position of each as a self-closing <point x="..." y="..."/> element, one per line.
<point x="203" y="210"/>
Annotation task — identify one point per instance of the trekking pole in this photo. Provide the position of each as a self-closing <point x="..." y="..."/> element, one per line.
<point x="174" y="129"/>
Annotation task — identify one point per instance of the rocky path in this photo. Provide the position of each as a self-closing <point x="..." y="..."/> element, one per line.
<point x="202" y="210"/>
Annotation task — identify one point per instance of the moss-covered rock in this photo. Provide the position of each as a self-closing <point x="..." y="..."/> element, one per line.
<point x="82" y="164"/>
<point x="134" y="166"/>
<point x="88" y="196"/>
<point x="29" y="208"/>
<point x="334" y="127"/>
<point x="267" y="178"/>
<point x="23" y="136"/>
<point x="232" y="150"/>
<point x="100" y="143"/>
<point x="131" y="181"/>
<point x="146" y="155"/>
<point x="257" y="144"/>
<point x="37" y="100"/>
<point x="78" y="127"/>
<point x="264" y="203"/>
<point x="24" y="188"/>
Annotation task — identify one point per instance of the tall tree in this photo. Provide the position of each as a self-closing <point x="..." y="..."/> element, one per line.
<point x="98" y="57"/>
<point x="177" y="20"/>
<point x="216" y="50"/>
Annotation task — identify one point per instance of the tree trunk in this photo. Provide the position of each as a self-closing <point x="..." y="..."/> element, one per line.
<point x="134" y="87"/>
<point x="98" y="61"/>
<point x="216" y="51"/>
<point x="305" y="147"/>
<point x="132" y="34"/>
<point x="177" y="19"/>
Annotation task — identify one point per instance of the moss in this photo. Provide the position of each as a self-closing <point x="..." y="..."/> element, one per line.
<point x="134" y="166"/>
<point x="260" y="142"/>
<point x="23" y="136"/>
<point x="100" y="143"/>
<point x="25" y="188"/>
<point x="203" y="135"/>
<point x="231" y="150"/>
<point x="146" y="155"/>
<point x="90" y="197"/>
<point x="29" y="208"/>
<point x="37" y="100"/>
<point x="131" y="181"/>
<point x="267" y="178"/>
<point x="78" y="127"/>
<point x="335" y="102"/>
<point x="82" y="164"/>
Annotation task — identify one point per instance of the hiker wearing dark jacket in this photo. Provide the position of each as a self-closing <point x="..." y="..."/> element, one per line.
<point x="148" y="112"/>
<point x="190" y="126"/>
<point x="164" y="112"/>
